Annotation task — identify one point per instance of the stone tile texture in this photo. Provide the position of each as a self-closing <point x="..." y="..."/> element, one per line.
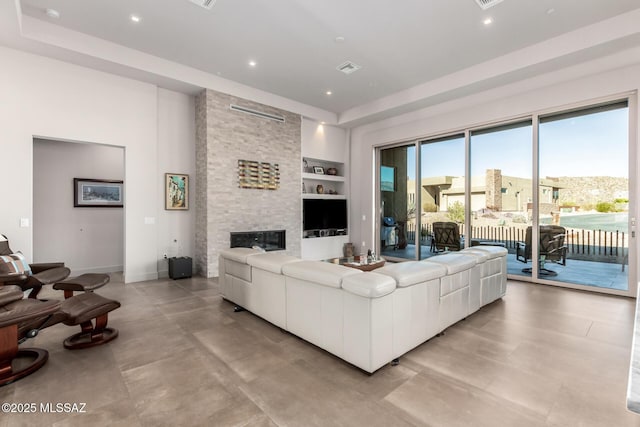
<point x="224" y="136"/>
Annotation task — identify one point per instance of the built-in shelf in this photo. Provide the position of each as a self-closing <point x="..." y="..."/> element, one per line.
<point x="323" y="196"/>
<point x="324" y="147"/>
<point x="319" y="177"/>
<point x="329" y="183"/>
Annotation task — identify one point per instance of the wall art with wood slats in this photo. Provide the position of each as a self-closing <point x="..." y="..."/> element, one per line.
<point x="258" y="175"/>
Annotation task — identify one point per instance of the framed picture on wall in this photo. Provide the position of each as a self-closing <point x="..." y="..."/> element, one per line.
<point x="176" y="192"/>
<point x="97" y="193"/>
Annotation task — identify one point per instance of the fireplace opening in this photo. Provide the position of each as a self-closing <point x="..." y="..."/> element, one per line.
<point x="269" y="240"/>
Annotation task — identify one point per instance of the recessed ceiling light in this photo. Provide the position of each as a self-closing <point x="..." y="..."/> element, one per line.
<point x="550" y="11"/>
<point x="135" y="18"/>
<point x="487" y="21"/>
<point x="52" y="13"/>
<point x="328" y="92"/>
<point x="252" y="63"/>
<point x="339" y="39"/>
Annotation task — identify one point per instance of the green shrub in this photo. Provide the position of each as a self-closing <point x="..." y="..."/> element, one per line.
<point x="456" y="212"/>
<point x="605" y="207"/>
<point x="429" y="207"/>
<point x="621" y="200"/>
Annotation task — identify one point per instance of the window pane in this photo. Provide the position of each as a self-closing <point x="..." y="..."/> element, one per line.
<point x="501" y="186"/>
<point x="584" y="194"/>
<point x="442" y="193"/>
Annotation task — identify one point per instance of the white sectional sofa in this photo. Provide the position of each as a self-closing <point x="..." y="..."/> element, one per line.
<point x="366" y="318"/>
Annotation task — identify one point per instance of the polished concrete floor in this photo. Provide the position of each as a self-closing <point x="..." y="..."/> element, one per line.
<point x="541" y="356"/>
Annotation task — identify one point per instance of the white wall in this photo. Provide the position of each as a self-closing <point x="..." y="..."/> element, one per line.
<point x="498" y="104"/>
<point x="88" y="240"/>
<point x="56" y="100"/>
<point x="176" y="154"/>
<point x="324" y="142"/>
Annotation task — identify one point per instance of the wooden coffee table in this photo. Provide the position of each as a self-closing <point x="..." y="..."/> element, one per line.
<point x="358" y="262"/>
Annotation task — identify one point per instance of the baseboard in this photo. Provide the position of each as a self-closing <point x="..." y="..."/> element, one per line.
<point x="131" y="278"/>
<point x="103" y="269"/>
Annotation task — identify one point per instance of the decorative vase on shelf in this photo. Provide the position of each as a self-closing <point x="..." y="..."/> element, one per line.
<point x="320" y="189"/>
<point x="348" y="250"/>
<point x="332" y="171"/>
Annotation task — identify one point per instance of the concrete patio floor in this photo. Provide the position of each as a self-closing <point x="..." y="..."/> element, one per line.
<point x="588" y="273"/>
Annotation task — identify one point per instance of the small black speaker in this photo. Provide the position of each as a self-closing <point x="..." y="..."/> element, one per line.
<point x="180" y="267"/>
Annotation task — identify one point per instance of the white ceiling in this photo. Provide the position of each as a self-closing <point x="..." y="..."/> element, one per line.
<point x="411" y="51"/>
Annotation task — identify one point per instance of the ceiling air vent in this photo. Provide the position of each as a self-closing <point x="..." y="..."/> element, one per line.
<point x="486" y="4"/>
<point x="348" y="67"/>
<point x="257" y="113"/>
<point x="207" y="4"/>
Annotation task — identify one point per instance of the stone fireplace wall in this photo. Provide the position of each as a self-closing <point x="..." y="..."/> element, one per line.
<point x="224" y="136"/>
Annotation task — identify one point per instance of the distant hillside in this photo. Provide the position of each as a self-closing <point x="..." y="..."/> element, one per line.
<point x="589" y="190"/>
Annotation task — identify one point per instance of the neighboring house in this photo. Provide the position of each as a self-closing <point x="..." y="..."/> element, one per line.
<point x="492" y="191"/>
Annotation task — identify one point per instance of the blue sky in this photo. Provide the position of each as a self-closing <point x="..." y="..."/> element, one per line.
<point x="590" y="145"/>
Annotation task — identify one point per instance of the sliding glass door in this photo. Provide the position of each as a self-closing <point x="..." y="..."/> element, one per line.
<point x="442" y="194"/>
<point x="553" y="189"/>
<point x="501" y="186"/>
<point x="397" y="177"/>
<point x="583" y="196"/>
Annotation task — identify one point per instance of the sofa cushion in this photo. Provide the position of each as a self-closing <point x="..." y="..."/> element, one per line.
<point x="271" y="261"/>
<point x="482" y="256"/>
<point x="369" y="285"/>
<point x="454" y="263"/>
<point x="412" y="272"/>
<point x="240" y="254"/>
<point x="492" y="251"/>
<point x="322" y="273"/>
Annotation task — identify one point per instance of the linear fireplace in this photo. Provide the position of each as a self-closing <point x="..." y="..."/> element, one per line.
<point x="269" y="240"/>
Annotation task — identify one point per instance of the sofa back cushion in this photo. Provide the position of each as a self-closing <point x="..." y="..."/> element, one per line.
<point x="409" y="273"/>
<point x="322" y="273"/>
<point x="271" y="261"/>
<point x="369" y="285"/>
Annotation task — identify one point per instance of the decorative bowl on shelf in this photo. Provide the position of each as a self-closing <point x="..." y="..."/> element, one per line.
<point x="332" y="171"/>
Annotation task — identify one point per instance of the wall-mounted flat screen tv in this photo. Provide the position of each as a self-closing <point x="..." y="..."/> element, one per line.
<point x="324" y="214"/>
<point x="387" y="178"/>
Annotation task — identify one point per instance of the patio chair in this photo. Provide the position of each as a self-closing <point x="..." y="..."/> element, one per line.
<point x="446" y="237"/>
<point x="552" y="248"/>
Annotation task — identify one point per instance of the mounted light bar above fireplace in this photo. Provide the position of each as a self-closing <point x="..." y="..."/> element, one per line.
<point x="256" y="113"/>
